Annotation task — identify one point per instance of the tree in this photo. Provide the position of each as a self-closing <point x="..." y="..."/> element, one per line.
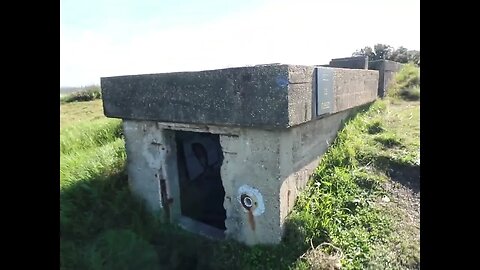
<point x="400" y="55"/>
<point x="365" y="51"/>
<point x="383" y="51"/>
<point x="414" y="56"/>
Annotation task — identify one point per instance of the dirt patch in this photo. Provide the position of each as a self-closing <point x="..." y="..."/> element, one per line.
<point x="402" y="203"/>
<point x="401" y="191"/>
<point x="318" y="259"/>
<point x="406" y="175"/>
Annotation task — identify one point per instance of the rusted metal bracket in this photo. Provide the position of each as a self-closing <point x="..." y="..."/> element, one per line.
<point x="165" y="200"/>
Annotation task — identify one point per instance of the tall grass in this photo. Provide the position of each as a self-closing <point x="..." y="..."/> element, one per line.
<point x="101" y="225"/>
<point x="91" y="163"/>
<point x="87" y="135"/>
<point x="406" y="83"/>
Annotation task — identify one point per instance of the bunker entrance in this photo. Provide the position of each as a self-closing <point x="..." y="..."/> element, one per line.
<point x="199" y="159"/>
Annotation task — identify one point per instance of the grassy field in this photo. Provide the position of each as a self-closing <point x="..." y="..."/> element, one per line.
<point x="360" y="209"/>
<point x="78" y="112"/>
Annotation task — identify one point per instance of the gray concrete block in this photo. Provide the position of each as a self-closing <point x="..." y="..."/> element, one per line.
<point x="355" y="62"/>
<point x="267" y="96"/>
<point x="387" y="70"/>
<point x="248" y="96"/>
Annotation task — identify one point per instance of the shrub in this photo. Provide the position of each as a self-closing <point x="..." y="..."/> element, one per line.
<point x="406" y="84"/>
<point x="85" y="94"/>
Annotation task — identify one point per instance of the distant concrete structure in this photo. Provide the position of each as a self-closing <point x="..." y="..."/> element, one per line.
<point x="387" y="70"/>
<point x="225" y="153"/>
<point x="355" y="62"/>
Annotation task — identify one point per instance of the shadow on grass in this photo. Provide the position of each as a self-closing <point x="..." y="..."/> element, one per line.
<point x="96" y="213"/>
<point x="375" y="128"/>
<point x="388" y="142"/>
<point x="404" y="173"/>
<point x="93" y="207"/>
<point x="178" y="249"/>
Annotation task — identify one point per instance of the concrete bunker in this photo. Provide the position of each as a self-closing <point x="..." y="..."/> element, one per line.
<point x="224" y="153"/>
<point x="386" y="68"/>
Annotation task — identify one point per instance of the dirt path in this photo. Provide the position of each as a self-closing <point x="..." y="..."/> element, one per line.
<point x="402" y="192"/>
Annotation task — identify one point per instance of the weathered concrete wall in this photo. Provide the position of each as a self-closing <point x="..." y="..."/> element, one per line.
<point x="251" y="157"/>
<point x="387" y="70"/>
<point x="274" y="163"/>
<point x="144" y="160"/>
<point x="351" y="88"/>
<point x="247" y="96"/>
<point x="277" y="164"/>
<point x="151" y="157"/>
<point x="270" y="96"/>
<point x="302" y="148"/>
<point x="356" y="62"/>
<point x="252" y="162"/>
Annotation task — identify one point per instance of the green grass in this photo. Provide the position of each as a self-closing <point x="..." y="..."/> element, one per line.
<point x="88" y="135"/>
<point x="114" y="249"/>
<point x="103" y="227"/>
<point x="339" y="206"/>
<point x="406" y="83"/>
<point x="77" y="112"/>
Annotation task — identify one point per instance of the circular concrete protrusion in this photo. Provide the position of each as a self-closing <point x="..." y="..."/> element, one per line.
<point x="251" y="200"/>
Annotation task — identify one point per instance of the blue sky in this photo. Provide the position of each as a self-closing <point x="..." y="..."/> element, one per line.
<point x="120" y="37"/>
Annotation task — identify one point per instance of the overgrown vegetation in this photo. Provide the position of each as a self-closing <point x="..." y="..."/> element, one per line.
<point x="86" y="93"/>
<point x="406" y="84"/>
<point x="340" y="219"/>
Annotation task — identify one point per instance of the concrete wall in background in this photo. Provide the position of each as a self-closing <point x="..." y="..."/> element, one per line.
<point x="355" y="62"/>
<point x="387" y="70"/>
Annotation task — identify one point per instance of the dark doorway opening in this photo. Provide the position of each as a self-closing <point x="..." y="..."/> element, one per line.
<point x="199" y="159"/>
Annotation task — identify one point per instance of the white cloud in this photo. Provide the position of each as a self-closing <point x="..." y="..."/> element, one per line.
<point x="294" y="32"/>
